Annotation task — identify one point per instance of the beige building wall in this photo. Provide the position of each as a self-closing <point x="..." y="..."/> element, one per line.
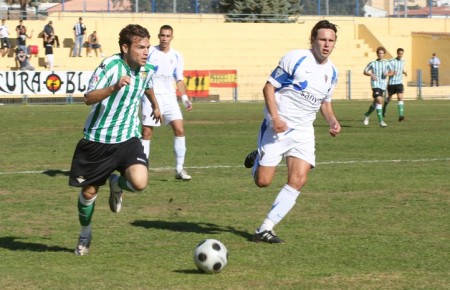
<point x="388" y="5"/>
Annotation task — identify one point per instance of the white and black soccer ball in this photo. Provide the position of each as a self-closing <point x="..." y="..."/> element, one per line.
<point x="210" y="256"/>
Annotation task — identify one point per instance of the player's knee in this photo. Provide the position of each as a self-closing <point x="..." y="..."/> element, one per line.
<point x="297" y="182"/>
<point x="139" y="184"/>
<point x="262" y="181"/>
<point x="89" y="192"/>
<point x="147" y="132"/>
<point x="179" y="132"/>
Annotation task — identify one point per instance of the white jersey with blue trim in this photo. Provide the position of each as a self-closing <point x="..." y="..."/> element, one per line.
<point x="169" y="69"/>
<point x="301" y="86"/>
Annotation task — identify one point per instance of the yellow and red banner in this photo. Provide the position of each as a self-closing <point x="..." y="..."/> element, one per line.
<point x="198" y="82"/>
<point x="223" y="78"/>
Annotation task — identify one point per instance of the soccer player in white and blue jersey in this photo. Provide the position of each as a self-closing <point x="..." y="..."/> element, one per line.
<point x="378" y="70"/>
<point x="300" y="86"/>
<point x="112" y="130"/>
<point x="168" y="76"/>
<point x="395" y="84"/>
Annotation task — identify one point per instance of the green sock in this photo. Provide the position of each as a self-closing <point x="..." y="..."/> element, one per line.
<point x="380" y="114"/>
<point x="85" y="212"/>
<point x="386" y="103"/>
<point x="371" y="108"/>
<point x="401" y="108"/>
<point x="125" y="185"/>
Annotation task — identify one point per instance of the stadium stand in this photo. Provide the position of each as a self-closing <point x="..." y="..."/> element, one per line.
<point x="253" y="49"/>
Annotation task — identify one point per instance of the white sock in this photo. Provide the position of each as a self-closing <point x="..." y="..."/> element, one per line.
<point x="146" y="145"/>
<point x="284" y="202"/>
<point x="179" y="145"/>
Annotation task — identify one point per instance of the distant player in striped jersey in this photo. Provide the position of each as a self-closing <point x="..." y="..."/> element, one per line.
<point x="169" y="74"/>
<point x="378" y="70"/>
<point x="301" y="85"/>
<point x="112" y="130"/>
<point x="395" y="84"/>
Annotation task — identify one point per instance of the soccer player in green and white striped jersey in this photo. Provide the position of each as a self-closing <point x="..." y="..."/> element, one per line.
<point x="395" y="84"/>
<point x="378" y="70"/>
<point x="112" y="130"/>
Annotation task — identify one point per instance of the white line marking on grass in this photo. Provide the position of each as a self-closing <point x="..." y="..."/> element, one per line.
<point x="161" y="169"/>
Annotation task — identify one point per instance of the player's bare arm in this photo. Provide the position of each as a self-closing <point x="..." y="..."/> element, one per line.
<point x="99" y="95"/>
<point x="269" y="96"/>
<point x="327" y="112"/>
<point x="156" y="113"/>
<point x="184" y="98"/>
<point x="370" y="74"/>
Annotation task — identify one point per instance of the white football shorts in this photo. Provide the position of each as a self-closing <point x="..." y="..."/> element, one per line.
<point x="169" y="107"/>
<point x="299" y="143"/>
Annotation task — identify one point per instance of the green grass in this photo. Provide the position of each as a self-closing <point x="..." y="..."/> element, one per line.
<point x="374" y="214"/>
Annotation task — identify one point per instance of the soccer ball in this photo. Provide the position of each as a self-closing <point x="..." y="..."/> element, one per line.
<point x="210" y="256"/>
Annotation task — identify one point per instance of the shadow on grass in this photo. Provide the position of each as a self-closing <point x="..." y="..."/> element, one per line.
<point x="54" y="172"/>
<point x="13" y="244"/>
<point x="203" y="228"/>
<point x="189" y="271"/>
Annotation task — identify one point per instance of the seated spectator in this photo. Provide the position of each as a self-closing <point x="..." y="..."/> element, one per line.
<point x="48" y="32"/>
<point x="22" y="58"/>
<point x="93" y="43"/>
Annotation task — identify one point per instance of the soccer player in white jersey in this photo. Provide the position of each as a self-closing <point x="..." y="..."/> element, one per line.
<point x="300" y="86"/>
<point x="395" y="84"/>
<point x="378" y="70"/>
<point x="112" y="130"/>
<point x="169" y="65"/>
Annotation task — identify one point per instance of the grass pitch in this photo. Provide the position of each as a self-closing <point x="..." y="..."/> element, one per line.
<point x="373" y="215"/>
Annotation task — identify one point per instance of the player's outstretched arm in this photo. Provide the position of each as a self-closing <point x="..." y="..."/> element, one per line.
<point x="156" y="113"/>
<point x="327" y="112"/>
<point x="184" y="98"/>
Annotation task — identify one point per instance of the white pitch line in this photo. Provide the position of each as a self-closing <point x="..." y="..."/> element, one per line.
<point x="159" y="169"/>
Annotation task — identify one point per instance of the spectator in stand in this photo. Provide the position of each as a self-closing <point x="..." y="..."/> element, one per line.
<point x="93" y="43"/>
<point x="20" y="28"/>
<point x="50" y="31"/>
<point x="49" y="52"/>
<point x="4" y="39"/>
<point x="22" y="58"/>
<point x="22" y="37"/>
<point x="79" y="30"/>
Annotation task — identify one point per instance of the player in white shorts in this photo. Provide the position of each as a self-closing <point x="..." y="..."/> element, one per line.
<point x="300" y="86"/>
<point x="169" y="65"/>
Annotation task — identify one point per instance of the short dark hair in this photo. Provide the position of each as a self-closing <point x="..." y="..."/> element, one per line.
<point x="131" y="31"/>
<point x="321" y="25"/>
<point x="400" y="49"/>
<point x="166" y="27"/>
<point x="381" y="48"/>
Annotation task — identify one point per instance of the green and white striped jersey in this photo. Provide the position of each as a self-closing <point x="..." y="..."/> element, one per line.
<point x="398" y="66"/>
<point x="115" y="119"/>
<point x="378" y="68"/>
